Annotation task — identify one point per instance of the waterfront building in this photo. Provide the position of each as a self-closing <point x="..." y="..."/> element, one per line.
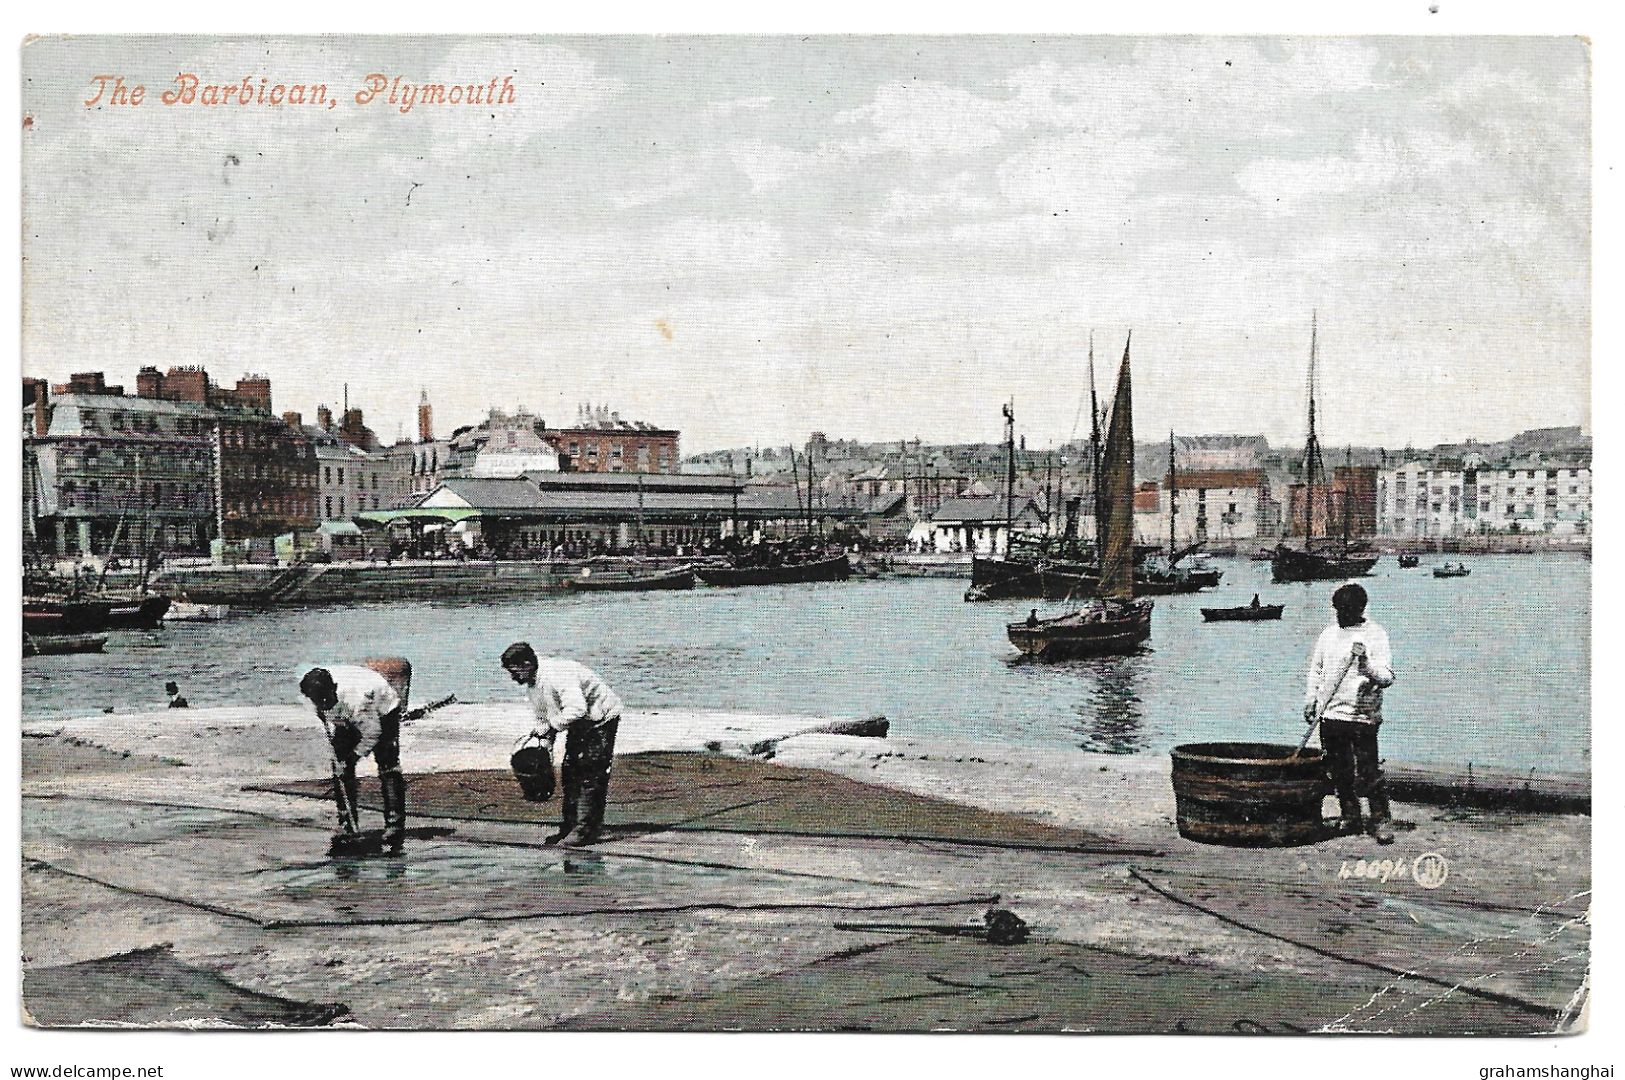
<point x="108" y="473"/>
<point x="1354" y="491"/>
<point x="543" y="513"/>
<point x="1424" y="500"/>
<point x="1218" y="505"/>
<point x="351" y="481"/>
<point x="266" y="474"/>
<point x="1534" y="497"/>
<point x="980" y="525"/>
<point x="601" y="441"/>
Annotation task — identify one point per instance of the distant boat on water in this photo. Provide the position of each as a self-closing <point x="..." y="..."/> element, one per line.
<point x="1409" y="562"/>
<point x="186" y="611"/>
<point x="62" y="644"/>
<point x="1249" y="613"/>
<point x="1446" y="571"/>
<point x="837" y="568"/>
<point x="1320" y="559"/>
<point x="681" y="578"/>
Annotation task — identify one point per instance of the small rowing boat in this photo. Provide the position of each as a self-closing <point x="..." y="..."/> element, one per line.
<point x="1249" y="613"/>
<point x="62" y="644"/>
<point x="1459" y="570"/>
<point x="682" y="578"/>
<point x="186" y="611"/>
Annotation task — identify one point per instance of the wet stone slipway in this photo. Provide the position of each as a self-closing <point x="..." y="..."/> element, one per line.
<point x="174" y="872"/>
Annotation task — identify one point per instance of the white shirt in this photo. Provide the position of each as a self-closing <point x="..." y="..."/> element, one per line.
<point x="365" y="697"/>
<point x="566" y="693"/>
<point x="1355" y="697"/>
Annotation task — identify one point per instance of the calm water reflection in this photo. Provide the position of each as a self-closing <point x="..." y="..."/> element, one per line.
<point x="1492" y="668"/>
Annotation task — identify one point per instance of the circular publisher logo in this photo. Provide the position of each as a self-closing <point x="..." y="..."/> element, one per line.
<point x="1430" y="870"/>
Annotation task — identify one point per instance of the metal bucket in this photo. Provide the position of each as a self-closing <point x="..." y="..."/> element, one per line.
<point x="1249" y="794"/>
<point x="397" y="671"/>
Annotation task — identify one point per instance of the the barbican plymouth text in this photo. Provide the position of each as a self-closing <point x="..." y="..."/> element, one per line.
<point x="376" y="89"/>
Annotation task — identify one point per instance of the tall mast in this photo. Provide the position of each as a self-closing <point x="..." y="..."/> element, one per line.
<point x="809" y="487"/>
<point x="795" y="481"/>
<point x="1049" y="494"/>
<point x="640" y="514"/>
<point x="1311" y="448"/>
<point x="1173" y="497"/>
<point x="1009" y="471"/>
<point x="1348" y="479"/>
<point x="1094" y="452"/>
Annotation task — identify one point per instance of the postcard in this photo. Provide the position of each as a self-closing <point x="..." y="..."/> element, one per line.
<point x="983" y="533"/>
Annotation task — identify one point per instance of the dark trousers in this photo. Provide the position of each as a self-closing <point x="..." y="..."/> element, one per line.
<point x="584" y="774"/>
<point x="1351" y="758"/>
<point x="386" y="753"/>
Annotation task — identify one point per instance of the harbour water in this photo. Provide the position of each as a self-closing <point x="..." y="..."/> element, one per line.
<point x="1492" y="669"/>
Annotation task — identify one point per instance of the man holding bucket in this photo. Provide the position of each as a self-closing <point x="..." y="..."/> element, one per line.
<point x="570" y="697"/>
<point x="1350" y="667"/>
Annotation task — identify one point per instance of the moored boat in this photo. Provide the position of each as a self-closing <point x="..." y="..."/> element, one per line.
<point x="1291" y="564"/>
<point x="681" y="578"/>
<point x="136" y="611"/>
<point x="62" y="644"/>
<point x="1447" y="571"/>
<point x="1409" y="562"/>
<point x="1318" y="559"/>
<point x="186" y="611"/>
<point x="838" y="568"/>
<point x="52" y="615"/>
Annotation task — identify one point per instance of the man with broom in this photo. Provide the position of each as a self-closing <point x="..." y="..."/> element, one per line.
<point x="1350" y="667"/>
<point x="362" y="715"/>
<point x="570" y="697"/>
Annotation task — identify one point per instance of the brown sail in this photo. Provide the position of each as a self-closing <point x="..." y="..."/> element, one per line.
<point x="1117" y="467"/>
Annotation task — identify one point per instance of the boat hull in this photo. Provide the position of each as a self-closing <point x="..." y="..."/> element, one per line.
<point x="1176" y="584"/>
<point x="62" y="644"/>
<point x="1069" y="638"/>
<point x="836" y="569"/>
<point x="138" y="613"/>
<point x="1451" y="573"/>
<point x="651" y="583"/>
<point x="1290" y="564"/>
<point x="51" y="616"/>
<point x="993" y="579"/>
<point x="1262" y="613"/>
<point x="185" y="611"/>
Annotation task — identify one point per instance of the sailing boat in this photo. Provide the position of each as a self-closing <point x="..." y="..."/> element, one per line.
<point x="1324" y="563"/>
<point x="1116" y="623"/>
<point x="1167" y="573"/>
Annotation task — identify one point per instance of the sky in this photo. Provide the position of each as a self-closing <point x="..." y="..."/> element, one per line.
<point x="752" y="238"/>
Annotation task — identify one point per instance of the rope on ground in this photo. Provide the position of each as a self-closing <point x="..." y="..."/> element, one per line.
<point x="668" y="909"/>
<point x="196" y="905"/>
<point x="1487" y="995"/>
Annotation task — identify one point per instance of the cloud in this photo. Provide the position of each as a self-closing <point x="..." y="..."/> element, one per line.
<point x="733" y="105"/>
<point x="926" y="118"/>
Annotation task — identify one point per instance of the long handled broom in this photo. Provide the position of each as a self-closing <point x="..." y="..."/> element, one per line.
<point x="1324" y="706"/>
